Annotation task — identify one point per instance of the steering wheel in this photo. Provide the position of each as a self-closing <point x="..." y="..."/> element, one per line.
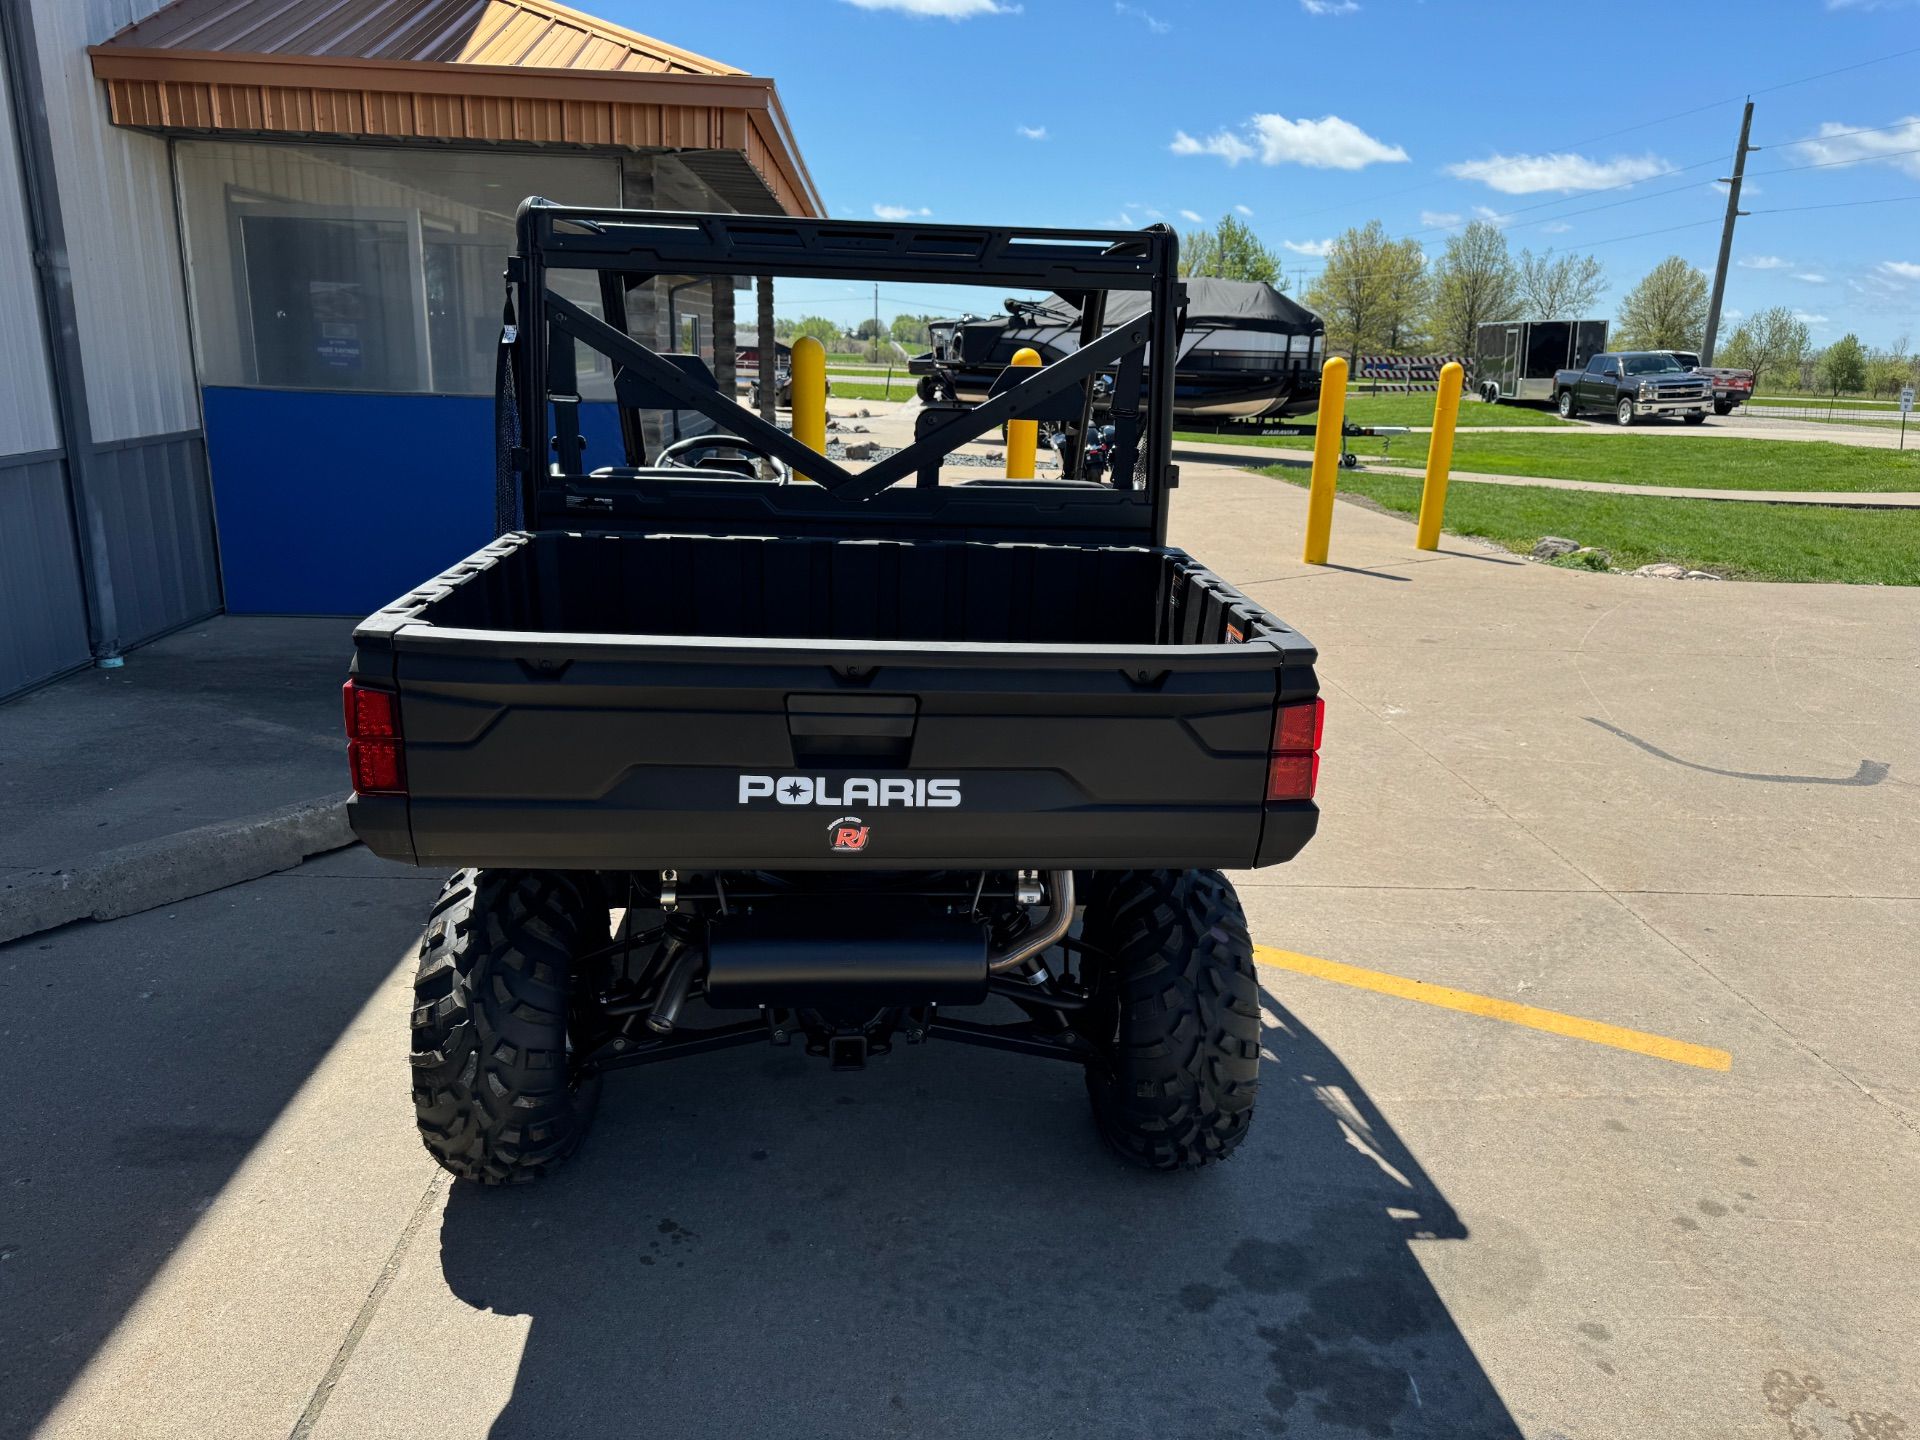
<point x="674" y="457"/>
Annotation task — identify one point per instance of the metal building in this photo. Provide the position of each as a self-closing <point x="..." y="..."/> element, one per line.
<point x="249" y="261"/>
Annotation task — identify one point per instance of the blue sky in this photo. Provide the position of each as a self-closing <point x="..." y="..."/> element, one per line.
<point x="1307" y="116"/>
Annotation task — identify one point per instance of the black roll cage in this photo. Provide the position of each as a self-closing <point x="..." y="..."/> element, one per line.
<point x="629" y="247"/>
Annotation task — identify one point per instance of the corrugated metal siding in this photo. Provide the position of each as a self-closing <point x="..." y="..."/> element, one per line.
<point x="117" y="200"/>
<point x="155" y="500"/>
<point x="43" y="627"/>
<point x="473" y="32"/>
<point x="27" y="421"/>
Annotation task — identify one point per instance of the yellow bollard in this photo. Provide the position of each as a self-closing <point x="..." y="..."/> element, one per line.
<point x="810" y="394"/>
<point x="1326" y="460"/>
<point x="1023" y="436"/>
<point x="1433" y="498"/>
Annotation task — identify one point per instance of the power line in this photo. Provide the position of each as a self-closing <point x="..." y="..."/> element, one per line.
<point x="1835" y="205"/>
<point x="1850" y="160"/>
<point x="1910" y="122"/>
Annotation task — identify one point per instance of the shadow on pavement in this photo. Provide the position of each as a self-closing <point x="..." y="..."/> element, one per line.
<point x="145" y="1059"/>
<point x="940" y="1247"/>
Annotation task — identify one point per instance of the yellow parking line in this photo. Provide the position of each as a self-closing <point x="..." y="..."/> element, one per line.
<point x="1553" y="1022"/>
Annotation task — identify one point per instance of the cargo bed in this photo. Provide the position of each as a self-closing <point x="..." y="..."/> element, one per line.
<point x="632" y="701"/>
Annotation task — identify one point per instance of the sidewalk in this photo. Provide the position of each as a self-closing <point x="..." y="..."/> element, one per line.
<point x="212" y="756"/>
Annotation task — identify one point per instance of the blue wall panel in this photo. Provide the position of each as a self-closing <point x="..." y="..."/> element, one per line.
<point x="335" y="504"/>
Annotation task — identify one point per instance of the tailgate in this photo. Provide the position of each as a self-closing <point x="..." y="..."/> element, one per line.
<point x="612" y="752"/>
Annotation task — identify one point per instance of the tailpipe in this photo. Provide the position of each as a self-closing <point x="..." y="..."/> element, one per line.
<point x="1045" y="934"/>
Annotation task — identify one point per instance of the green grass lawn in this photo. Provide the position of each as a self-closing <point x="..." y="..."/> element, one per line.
<point x="1872" y="419"/>
<point x="1418" y="410"/>
<point x="1741" y="542"/>
<point x="1697" y="461"/>
<point x="901" y="389"/>
<point x="1811" y="398"/>
<point x="1412" y="410"/>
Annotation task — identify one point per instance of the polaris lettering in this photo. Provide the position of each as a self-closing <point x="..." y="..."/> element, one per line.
<point x="855" y="790"/>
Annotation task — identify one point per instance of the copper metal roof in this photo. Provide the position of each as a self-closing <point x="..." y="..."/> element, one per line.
<point x="524" y="72"/>
<point x="532" y="33"/>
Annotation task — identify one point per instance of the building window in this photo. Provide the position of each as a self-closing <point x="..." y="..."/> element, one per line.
<point x="333" y="267"/>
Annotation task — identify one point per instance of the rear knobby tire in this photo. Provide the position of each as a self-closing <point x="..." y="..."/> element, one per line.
<point x="495" y="1094"/>
<point x="1176" y="1016"/>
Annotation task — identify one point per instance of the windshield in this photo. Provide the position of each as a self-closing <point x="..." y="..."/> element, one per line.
<point x="1652" y="365"/>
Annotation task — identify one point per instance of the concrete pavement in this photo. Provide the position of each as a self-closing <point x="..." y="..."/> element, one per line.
<point x="211" y="756"/>
<point x="1686" y="809"/>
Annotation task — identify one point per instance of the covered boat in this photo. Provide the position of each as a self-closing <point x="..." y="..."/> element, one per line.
<point x="1247" y="352"/>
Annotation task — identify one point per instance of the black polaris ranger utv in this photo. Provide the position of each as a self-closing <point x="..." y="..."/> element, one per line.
<point x="733" y="757"/>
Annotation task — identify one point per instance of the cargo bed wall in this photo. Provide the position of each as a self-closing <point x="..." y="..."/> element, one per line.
<point x="814" y="589"/>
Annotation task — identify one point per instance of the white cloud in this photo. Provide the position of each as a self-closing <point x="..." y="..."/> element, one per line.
<point x="940" y="9"/>
<point x="1556" y="227"/>
<point x="1439" y="219"/>
<point x="1733" y="314"/>
<point x="1530" y="174"/>
<point x="1152" y="22"/>
<point x="1893" y="144"/>
<point x="1805" y="319"/>
<point x="1490" y="215"/>
<point x="900" y="212"/>
<point x="1194" y="215"/>
<point x="1329" y="7"/>
<point x="1229" y="147"/>
<point x="1309" y="247"/>
<point x="1328" y="143"/>
<point x="1031" y="132"/>
<point x="1901" y="269"/>
<point x="1763" y="262"/>
<point x="1811" y="278"/>
<point x="1245" y="210"/>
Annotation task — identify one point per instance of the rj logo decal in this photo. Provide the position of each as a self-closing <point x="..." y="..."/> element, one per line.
<point x="847" y="836"/>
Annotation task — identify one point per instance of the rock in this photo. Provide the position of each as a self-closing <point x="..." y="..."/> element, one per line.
<point x="861" y="451"/>
<point x="1702" y="575"/>
<point x="1664" y="570"/>
<point x="1549" y="547"/>
<point x="858" y="430"/>
<point x="863" y="414"/>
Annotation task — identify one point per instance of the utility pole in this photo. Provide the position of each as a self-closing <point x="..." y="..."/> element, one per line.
<point x="1734" y="212"/>
<point x="876" y="312"/>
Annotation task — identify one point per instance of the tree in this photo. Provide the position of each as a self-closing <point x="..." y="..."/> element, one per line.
<point x="911" y="329"/>
<point x="1558" y="289"/>
<point x="1772" y="344"/>
<point x="1229" y="251"/>
<point x="1473" y="282"/>
<point x="1667" y="310"/>
<point x="869" y="329"/>
<point x="1371" y="292"/>
<point x="1844" y="366"/>
<point x="1888" y="370"/>
<point x="819" y="327"/>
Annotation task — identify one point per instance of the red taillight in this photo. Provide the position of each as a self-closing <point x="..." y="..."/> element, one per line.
<point x="377" y="767"/>
<point x="373" y="740"/>
<point x="370" y="714"/>
<point x="1294" y="767"/>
